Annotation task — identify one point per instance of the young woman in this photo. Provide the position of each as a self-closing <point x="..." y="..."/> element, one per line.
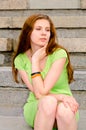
<point x="45" y="68"/>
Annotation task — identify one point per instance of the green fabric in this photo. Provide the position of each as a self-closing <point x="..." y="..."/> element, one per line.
<point x="22" y="62"/>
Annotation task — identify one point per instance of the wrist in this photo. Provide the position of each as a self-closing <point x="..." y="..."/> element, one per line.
<point x="35" y="74"/>
<point x="35" y="66"/>
<point x="60" y="97"/>
<point x="34" y="60"/>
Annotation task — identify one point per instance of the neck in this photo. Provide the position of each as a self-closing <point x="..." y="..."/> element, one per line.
<point x="34" y="49"/>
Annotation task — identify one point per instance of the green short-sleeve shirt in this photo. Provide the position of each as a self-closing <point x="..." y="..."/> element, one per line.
<point x="22" y="62"/>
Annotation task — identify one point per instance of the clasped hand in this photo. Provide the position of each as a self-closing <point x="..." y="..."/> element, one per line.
<point x="71" y="102"/>
<point x="68" y="101"/>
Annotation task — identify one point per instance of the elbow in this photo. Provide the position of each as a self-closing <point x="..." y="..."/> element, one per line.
<point x="38" y="96"/>
<point x="44" y="92"/>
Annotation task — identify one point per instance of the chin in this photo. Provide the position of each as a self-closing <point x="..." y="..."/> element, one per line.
<point x="43" y="44"/>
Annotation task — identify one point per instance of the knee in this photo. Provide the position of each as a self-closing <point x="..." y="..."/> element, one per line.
<point x="48" y="105"/>
<point x="64" y="114"/>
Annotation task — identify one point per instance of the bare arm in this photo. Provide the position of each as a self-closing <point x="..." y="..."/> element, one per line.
<point x="67" y="100"/>
<point x="43" y="86"/>
<point x="24" y="77"/>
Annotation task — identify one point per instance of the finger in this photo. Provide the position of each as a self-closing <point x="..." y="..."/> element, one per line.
<point x="65" y="104"/>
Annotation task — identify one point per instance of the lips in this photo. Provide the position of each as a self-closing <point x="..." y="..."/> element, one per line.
<point x="43" y="39"/>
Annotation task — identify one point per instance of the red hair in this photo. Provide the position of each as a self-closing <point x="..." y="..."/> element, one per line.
<point x="24" y="42"/>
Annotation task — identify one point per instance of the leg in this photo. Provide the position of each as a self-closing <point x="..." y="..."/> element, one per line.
<point x="46" y="113"/>
<point x="65" y="118"/>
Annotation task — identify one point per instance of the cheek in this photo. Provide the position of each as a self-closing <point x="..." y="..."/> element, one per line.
<point x="33" y="36"/>
<point x="49" y="34"/>
<point x="48" y="37"/>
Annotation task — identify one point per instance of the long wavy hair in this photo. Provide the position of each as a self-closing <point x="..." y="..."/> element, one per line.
<point x="24" y="42"/>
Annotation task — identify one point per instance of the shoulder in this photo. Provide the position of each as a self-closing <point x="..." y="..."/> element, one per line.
<point x="19" y="57"/>
<point x="19" y="61"/>
<point x="59" y="53"/>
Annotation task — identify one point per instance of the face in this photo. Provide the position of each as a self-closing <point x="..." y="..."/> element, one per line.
<point x="41" y="33"/>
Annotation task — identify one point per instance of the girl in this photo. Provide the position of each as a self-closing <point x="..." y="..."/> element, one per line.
<point x="45" y="68"/>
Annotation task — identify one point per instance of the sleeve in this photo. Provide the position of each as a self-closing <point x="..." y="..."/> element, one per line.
<point x="58" y="54"/>
<point x="19" y="63"/>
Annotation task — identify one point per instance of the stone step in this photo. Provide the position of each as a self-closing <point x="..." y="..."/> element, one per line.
<point x="13" y="123"/>
<point x="13" y="95"/>
<point x="18" y="122"/>
<point x="11" y="109"/>
<point x="7" y="44"/>
<point x="6" y="79"/>
<point x="26" y="5"/>
<point x="12" y="100"/>
<point x="55" y="12"/>
<point x="61" y="33"/>
<point x="69" y="21"/>
<point x="78" y="60"/>
<point x="69" y="43"/>
<point x="41" y="5"/>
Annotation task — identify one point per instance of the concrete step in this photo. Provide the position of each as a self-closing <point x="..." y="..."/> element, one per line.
<point x="13" y="96"/>
<point x="7" y="44"/>
<point x="78" y="60"/>
<point x="61" y="33"/>
<point x="13" y="123"/>
<point x="18" y="122"/>
<point x="7" y="5"/>
<point x="12" y="100"/>
<point x="11" y="108"/>
<point x="6" y="79"/>
<point x="70" y="21"/>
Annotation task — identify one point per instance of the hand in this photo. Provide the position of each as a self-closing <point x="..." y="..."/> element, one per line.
<point x="68" y="101"/>
<point x="71" y="102"/>
<point x="39" y="54"/>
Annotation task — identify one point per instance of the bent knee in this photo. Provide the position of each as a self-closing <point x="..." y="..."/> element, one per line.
<point x="48" y="105"/>
<point x="64" y="113"/>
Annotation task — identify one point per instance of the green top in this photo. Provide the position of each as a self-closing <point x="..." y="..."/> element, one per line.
<point x="22" y="62"/>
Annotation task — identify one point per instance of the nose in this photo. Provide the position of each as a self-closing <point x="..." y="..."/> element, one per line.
<point x="43" y="32"/>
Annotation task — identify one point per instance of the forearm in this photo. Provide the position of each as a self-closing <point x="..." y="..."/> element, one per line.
<point x="59" y="97"/>
<point x="24" y="78"/>
<point x="30" y="87"/>
<point x="37" y="82"/>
